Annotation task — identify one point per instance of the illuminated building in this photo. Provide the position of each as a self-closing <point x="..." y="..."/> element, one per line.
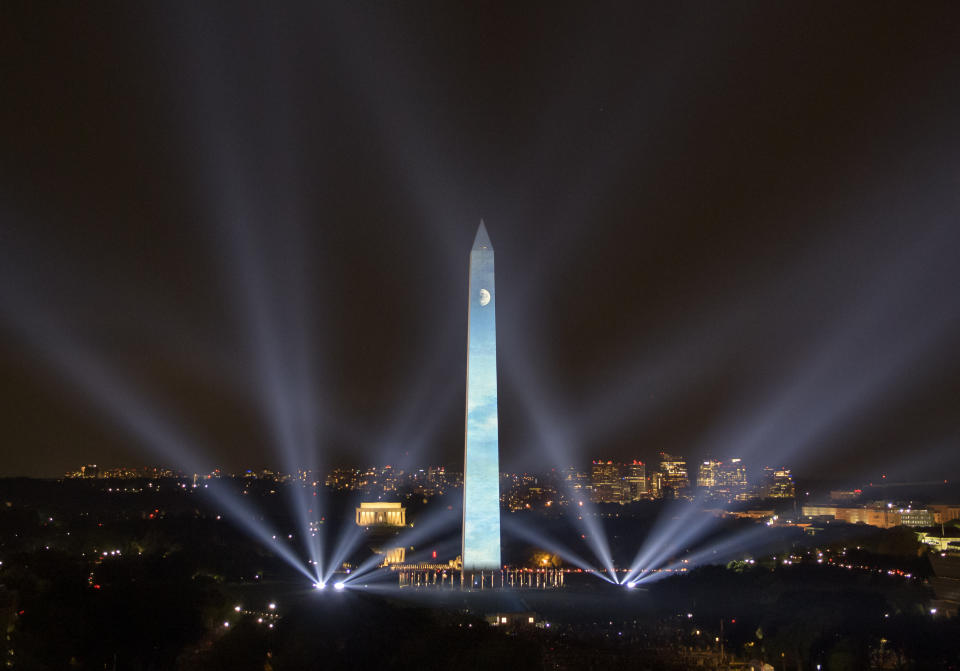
<point x="732" y="475"/>
<point x="674" y="471"/>
<point x="655" y="484"/>
<point x="481" y="467"/>
<point x="708" y="474"/>
<point x="612" y="482"/>
<point x="910" y="517"/>
<point x="723" y="480"/>
<point x="778" y="483"/>
<point x="881" y="516"/>
<point x="395" y="555"/>
<point x="943" y="514"/>
<point x="940" y="543"/>
<point x="635" y="481"/>
<point x="877" y="517"/>
<point x="606" y="482"/>
<point x="576" y="481"/>
<point x="381" y="513"/>
<point x="380" y="519"/>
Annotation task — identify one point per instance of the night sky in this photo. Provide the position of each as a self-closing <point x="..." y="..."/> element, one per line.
<point x="722" y="229"/>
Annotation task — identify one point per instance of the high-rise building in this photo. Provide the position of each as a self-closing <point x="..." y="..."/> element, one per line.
<point x="778" y="483"/>
<point x="635" y="481"/>
<point x="481" y="470"/>
<point x="674" y="470"/>
<point x="575" y="482"/>
<point x="732" y="481"/>
<point x="733" y="474"/>
<point x="723" y="480"/>
<point x="709" y="472"/>
<point x="654" y="484"/>
<point x="606" y="481"/>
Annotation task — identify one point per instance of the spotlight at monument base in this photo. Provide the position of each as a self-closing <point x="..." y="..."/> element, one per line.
<point x="339" y="585"/>
<point x="528" y="533"/>
<point x="686" y="524"/>
<point x="348" y="541"/>
<point x="717" y="551"/>
<point x="555" y="438"/>
<point x="596" y="538"/>
<point x="319" y="585"/>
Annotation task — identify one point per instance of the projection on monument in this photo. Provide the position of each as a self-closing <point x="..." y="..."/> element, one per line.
<point x="481" y="468"/>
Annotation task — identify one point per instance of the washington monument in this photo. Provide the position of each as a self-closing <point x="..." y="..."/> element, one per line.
<point x="481" y="467"/>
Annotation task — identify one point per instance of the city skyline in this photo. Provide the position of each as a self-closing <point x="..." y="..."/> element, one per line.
<point x="582" y="466"/>
<point x="583" y="463"/>
<point x="757" y="498"/>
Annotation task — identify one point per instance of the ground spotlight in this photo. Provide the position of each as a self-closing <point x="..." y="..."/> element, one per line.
<point x="319" y="585"/>
<point x="339" y="585"/>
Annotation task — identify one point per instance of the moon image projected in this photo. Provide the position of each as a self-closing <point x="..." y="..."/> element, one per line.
<point x="484" y="297"/>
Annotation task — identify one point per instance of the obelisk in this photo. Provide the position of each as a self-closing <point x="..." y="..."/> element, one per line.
<point x="481" y="460"/>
